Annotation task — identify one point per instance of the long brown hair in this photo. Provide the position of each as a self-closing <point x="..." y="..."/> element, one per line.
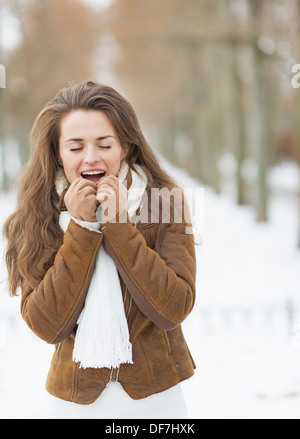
<point x="33" y="233"/>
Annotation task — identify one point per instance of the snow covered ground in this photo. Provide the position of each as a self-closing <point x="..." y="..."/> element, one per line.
<point x="244" y="332"/>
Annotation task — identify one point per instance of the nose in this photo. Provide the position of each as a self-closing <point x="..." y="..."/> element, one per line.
<point x="92" y="155"/>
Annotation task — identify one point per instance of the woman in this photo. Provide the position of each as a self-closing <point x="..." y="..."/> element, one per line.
<point x="103" y="275"/>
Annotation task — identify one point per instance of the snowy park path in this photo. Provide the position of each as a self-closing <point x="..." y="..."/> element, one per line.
<point x="240" y="331"/>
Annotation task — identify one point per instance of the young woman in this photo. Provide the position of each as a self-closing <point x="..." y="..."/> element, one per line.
<point x="103" y="275"/>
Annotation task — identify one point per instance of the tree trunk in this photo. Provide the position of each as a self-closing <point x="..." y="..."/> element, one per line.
<point x="265" y="135"/>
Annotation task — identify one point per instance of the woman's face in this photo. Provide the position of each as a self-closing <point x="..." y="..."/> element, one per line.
<point x="88" y="146"/>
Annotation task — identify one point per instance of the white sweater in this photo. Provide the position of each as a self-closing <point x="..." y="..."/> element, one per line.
<point x="114" y="403"/>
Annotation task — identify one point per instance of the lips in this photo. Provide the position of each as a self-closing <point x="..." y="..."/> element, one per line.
<point x="93" y="175"/>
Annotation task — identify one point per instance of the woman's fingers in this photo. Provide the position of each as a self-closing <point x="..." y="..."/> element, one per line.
<point x="112" y="195"/>
<point x="80" y="200"/>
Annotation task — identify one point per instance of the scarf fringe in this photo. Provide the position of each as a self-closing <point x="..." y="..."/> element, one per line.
<point x="102" y="338"/>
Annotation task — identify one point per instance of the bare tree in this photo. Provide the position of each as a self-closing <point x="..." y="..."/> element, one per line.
<point x="58" y="46"/>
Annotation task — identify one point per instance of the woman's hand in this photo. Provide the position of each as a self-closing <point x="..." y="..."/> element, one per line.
<point x="80" y="200"/>
<point x="112" y="195"/>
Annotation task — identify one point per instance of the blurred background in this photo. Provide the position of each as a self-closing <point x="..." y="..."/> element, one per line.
<point x="213" y="87"/>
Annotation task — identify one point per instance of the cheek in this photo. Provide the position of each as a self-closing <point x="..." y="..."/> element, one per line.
<point x="115" y="161"/>
<point x="70" y="165"/>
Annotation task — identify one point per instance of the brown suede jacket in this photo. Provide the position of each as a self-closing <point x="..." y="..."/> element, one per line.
<point x="158" y="292"/>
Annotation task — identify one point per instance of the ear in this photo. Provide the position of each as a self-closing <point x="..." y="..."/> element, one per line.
<point x="59" y="161"/>
<point x="125" y="150"/>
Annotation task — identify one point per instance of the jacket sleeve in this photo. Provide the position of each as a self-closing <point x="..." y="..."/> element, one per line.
<point x="162" y="285"/>
<point x="52" y="308"/>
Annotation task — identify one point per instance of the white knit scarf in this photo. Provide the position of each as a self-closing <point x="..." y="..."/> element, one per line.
<point x="102" y="337"/>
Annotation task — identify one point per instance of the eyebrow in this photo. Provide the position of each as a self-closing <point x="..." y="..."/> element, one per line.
<point x="80" y="140"/>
